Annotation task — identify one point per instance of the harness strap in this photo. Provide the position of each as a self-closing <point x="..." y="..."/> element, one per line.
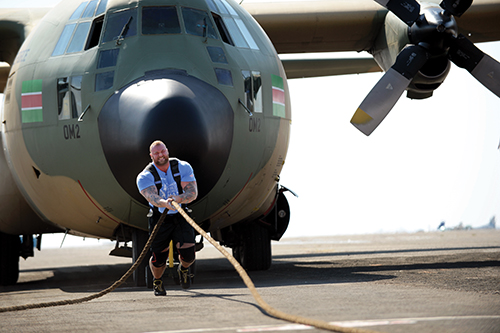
<point x="174" y="167"/>
<point x="151" y="168"/>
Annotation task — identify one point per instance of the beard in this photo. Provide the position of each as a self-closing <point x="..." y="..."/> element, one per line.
<point x="161" y="160"/>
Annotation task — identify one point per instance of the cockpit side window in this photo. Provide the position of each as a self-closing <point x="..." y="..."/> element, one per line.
<point x="82" y="34"/>
<point x="198" y="23"/>
<point x="246" y="33"/>
<point x="95" y="33"/>
<point x="253" y="90"/>
<point x="69" y="97"/>
<point x="160" y="20"/>
<point x="212" y="6"/>
<point x="102" y="7"/>
<point x="78" y="12"/>
<point x="236" y="34"/>
<point x="63" y="41"/>
<point x="227" y="6"/>
<point x="122" y="24"/>
<point x="79" y="38"/>
<point x="257" y="91"/>
<point x="224" y="33"/>
<point x="231" y="27"/>
<point x="89" y="11"/>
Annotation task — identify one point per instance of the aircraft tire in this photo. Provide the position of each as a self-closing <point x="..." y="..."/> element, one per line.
<point x="255" y="250"/>
<point x="9" y="259"/>
<point x="236" y="253"/>
<point x="175" y="275"/>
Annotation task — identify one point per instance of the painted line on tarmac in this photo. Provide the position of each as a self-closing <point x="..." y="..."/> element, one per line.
<point x="351" y="323"/>
<point x="405" y="321"/>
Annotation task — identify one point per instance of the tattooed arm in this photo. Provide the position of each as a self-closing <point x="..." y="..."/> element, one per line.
<point x="151" y="195"/>
<point x="190" y="193"/>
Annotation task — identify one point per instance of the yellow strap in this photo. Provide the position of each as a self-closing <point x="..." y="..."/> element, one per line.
<point x="171" y="255"/>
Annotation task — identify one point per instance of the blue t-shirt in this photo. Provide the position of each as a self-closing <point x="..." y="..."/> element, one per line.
<point x="169" y="187"/>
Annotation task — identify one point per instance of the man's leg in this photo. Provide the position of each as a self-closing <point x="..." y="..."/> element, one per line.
<point x="158" y="263"/>
<point x="187" y="256"/>
<point x="184" y="240"/>
<point x="160" y="246"/>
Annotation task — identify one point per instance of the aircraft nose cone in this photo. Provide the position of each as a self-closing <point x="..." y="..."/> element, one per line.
<point x="192" y="118"/>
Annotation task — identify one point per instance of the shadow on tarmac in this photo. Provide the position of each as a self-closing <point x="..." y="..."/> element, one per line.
<point x="287" y="270"/>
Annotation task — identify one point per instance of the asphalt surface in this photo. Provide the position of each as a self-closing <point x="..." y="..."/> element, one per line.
<point x="422" y="282"/>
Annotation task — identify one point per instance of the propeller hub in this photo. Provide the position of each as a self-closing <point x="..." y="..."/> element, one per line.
<point x="420" y="68"/>
<point x="432" y="29"/>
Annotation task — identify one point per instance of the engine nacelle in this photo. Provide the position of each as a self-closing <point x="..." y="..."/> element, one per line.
<point x="429" y="78"/>
<point x="395" y="35"/>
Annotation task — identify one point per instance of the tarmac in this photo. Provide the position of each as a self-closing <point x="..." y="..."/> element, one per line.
<point x="410" y="282"/>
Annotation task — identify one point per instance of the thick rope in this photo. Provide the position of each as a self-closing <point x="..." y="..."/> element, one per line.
<point x="248" y="282"/>
<point x="103" y="292"/>
<point x="243" y="274"/>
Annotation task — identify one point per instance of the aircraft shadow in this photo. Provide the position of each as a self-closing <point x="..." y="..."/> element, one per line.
<point x="286" y="270"/>
<point x="290" y="273"/>
<point x="72" y="279"/>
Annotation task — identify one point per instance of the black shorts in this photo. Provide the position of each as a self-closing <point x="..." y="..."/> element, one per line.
<point x="174" y="228"/>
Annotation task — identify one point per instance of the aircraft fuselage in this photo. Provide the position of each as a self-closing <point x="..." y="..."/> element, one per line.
<point x="96" y="82"/>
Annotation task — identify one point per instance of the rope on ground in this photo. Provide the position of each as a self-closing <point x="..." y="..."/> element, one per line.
<point x="248" y="282"/>
<point x="101" y="293"/>
<point x="243" y="274"/>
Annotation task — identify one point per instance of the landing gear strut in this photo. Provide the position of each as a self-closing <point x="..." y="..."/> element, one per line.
<point x="10" y="246"/>
<point x="142" y="275"/>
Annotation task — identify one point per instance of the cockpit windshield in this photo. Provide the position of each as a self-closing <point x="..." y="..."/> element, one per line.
<point x="160" y="20"/>
<point x="83" y="31"/>
<point x="121" y="24"/>
<point x="198" y="23"/>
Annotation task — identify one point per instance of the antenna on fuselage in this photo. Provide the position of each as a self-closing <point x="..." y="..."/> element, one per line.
<point x="65" y="233"/>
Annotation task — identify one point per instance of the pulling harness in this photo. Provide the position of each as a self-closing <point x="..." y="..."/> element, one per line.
<point x="174" y="166"/>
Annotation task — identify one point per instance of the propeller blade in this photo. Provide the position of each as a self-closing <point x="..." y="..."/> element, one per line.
<point x="456" y="7"/>
<point x="408" y="11"/>
<point x="384" y="95"/>
<point x="484" y="68"/>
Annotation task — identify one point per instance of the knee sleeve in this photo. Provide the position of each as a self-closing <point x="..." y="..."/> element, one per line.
<point x="159" y="259"/>
<point x="188" y="254"/>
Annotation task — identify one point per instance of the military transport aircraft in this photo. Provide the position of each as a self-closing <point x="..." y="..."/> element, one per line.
<point x="90" y="84"/>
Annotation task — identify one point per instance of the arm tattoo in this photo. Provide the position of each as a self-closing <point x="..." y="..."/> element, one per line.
<point x="190" y="192"/>
<point x="151" y="195"/>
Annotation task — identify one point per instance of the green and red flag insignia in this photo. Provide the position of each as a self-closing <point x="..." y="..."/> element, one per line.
<point x="31" y="102"/>
<point x="278" y="96"/>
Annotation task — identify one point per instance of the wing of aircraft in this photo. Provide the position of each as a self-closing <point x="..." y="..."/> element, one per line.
<point x="92" y="83"/>
<point x="15" y="25"/>
<point x="334" y="26"/>
<point x="301" y="68"/>
<point x="436" y="29"/>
